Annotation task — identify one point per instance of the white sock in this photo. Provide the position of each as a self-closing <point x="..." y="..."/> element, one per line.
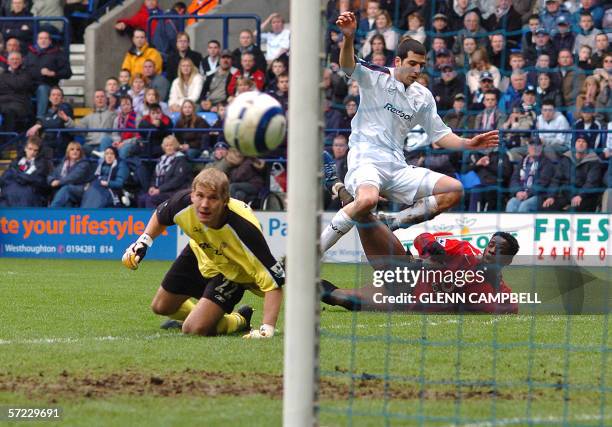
<point x="424" y="209"/>
<point x="340" y="224"/>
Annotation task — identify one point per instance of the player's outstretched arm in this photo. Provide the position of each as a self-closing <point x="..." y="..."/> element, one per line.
<point x="348" y="25"/>
<point x="483" y="141"/>
<point x="272" y="304"/>
<point x="135" y="253"/>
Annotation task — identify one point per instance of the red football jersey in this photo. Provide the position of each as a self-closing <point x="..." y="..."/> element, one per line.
<point x="461" y="255"/>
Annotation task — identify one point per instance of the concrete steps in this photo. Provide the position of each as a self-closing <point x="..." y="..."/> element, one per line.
<point x="74" y="88"/>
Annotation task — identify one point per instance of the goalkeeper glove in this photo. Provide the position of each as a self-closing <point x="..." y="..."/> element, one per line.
<point x="264" y="331"/>
<point x="136" y="252"/>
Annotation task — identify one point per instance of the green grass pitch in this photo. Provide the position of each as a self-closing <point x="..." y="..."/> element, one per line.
<point x="80" y="335"/>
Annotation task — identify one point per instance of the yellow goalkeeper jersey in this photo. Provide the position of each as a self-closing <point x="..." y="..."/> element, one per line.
<point x="237" y="250"/>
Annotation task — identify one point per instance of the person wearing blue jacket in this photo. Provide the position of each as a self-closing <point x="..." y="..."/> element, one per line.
<point x="25" y="181"/>
<point x="106" y="189"/>
<point x="69" y="177"/>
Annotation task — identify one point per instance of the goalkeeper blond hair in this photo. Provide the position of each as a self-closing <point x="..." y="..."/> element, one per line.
<point x="214" y="180"/>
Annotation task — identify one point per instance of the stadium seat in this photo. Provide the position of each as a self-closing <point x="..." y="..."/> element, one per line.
<point x="210" y="117"/>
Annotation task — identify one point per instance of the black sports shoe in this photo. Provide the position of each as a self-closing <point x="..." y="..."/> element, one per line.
<point x="172" y="324"/>
<point x="246" y="311"/>
<point x="351" y="303"/>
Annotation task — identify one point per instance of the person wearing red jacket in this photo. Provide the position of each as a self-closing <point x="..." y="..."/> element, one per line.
<point x="248" y="70"/>
<point x="448" y="255"/>
<point x="139" y="20"/>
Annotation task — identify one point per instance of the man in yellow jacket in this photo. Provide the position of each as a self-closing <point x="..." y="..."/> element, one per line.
<point x="139" y="53"/>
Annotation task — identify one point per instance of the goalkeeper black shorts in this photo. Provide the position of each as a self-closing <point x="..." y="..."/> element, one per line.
<point x="184" y="278"/>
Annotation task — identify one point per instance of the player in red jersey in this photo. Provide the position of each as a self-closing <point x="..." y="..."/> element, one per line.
<point x="446" y="257"/>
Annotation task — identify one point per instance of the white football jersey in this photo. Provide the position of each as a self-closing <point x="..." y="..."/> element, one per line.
<point x="387" y="112"/>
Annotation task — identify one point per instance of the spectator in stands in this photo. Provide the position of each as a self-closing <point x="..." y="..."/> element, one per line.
<point x="350" y="109"/>
<point x="424" y="8"/>
<point x="587" y="122"/>
<point x="479" y="65"/>
<point x="590" y="93"/>
<point x="125" y="77"/>
<point x="199" y="8"/>
<point x="378" y="46"/>
<point x="530" y="180"/>
<point x="281" y="94"/>
<point x="457" y="12"/>
<point x="5" y="7"/>
<point x="416" y="27"/>
<point x="172" y="173"/>
<point x="564" y="37"/>
<point x="151" y="97"/>
<point x="592" y="8"/>
<point x="490" y="117"/>
<point x="520" y="119"/>
<point x="440" y="28"/>
<point x="276" y="69"/>
<point x="188" y="85"/>
<point x="449" y="85"/>
<point x="529" y="36"/>
<point x="211" y="61"/>
<point x="183" y="50"/>
<point x="542" y="45"/>
<point x="546" y="92"/>
<point x="528" y="100"/>
<point x="15" y="93"/>
<point x="334" y="86"/>
<point x="21" y="30"/>
<point x="518" y="81"/>
<point x="100" y="118"/>
<point x="111" y="87"/>
<point x="24" y="183"/>
<point x="139" y="20"/>
<point x="549" y="120"/>
<point x="192" y="143"/>
<point x="77" y="24"/>
<point x="160" y="125"/>
<point x="139" y="52"/>
<point x="47" y="64"/>
<point x="246" y="177"/>
<point x="277" y="41"/>
<point x="434" y="158"/>
<point x="248" y="69"/>
<point x="552" y="12"/>
<point x="244" y="84"/>
<point x="168" y="29"/>
<point x="506" y="18"/>
<point x="471" y="28"/>
<point x="586" y="33"/>
<point x="498" y="52"/>
<point x="69" y="177"/>
<point x="384" y="27"/>
<point x="247" y="45"/>
<point x="137" y="92"/>
<point x="106" y="189"/>
<point x="215" y="89"/>
<point x="485" y="84"/>
<point x="218" y="158"/>
<point x="576" y="184"/>
<point x="467" y="48"/>
<point x="367" y="23"/>
<point x="340" y="150"/>
<point x="584" y="58"/>
<point x="494" y="171"/>
<point x="602" y="47"/>
<point x="154" y="80"/>
<point x="517" y="63"/>
<point x="457" y="117"/>
<point x="437" y="44"/>
<point x="59" y="115"/>
<point x="50" y="8"/>
<point x="126" y="141"/>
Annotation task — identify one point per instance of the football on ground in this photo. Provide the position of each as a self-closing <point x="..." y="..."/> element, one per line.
<point x="254" y="123"/>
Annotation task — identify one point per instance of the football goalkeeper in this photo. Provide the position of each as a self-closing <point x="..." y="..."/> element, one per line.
<point x="226" y="255"/>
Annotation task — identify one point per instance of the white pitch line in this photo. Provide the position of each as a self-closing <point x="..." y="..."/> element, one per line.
<point x="68" y="340"/>
<point x="548" y="419"/>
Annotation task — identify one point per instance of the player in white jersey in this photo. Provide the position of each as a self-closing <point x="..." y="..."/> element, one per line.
<point x="391" y="105"/>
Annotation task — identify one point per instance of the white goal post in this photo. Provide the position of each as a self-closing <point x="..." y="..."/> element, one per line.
<point x="304" y="194"/>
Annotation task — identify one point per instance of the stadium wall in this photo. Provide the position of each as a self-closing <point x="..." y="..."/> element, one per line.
<point x="105" y="233"/>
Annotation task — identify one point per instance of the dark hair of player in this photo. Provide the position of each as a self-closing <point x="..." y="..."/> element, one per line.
<point x="410" y="45"/>
<point x="513" y="244"/>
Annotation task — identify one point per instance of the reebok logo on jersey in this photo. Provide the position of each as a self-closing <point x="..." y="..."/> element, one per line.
<point x="397" y="112"/>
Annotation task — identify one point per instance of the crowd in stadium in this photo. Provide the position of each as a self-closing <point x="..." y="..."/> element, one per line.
<point x="519" y="66"/>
